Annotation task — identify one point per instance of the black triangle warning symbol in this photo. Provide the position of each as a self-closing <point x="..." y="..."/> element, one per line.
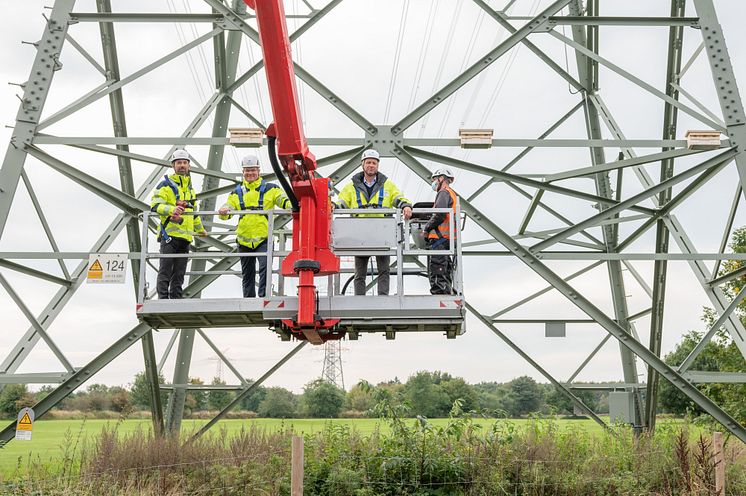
<point x="25" y="420"/>
<point x="96" y="266"/>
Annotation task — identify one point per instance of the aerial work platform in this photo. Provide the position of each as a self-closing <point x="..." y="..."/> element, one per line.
<point x="403" y="311"/>
<point x="361" y="314"/>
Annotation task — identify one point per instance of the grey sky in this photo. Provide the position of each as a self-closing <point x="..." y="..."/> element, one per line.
<point x="354" y="52"/>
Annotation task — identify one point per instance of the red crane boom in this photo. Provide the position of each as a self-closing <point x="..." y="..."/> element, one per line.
<point x="311" y="254"/>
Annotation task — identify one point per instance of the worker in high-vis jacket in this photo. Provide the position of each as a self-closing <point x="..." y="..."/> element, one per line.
<point x="254" y="193"/>
<point x="371" y="189"/>
<point x="174" y="200"/>
<point x="439" y="235"/>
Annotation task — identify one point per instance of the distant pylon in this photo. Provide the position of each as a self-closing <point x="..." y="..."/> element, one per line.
<point x="332" y="371"/>
<point x="218" y="366"/>
<point x="219" y="363"/>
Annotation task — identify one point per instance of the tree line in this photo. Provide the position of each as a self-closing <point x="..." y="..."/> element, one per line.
<point x="428" y="394"/>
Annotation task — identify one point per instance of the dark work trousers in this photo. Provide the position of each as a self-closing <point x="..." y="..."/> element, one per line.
<point x="248" y="270"/>
<point x="440" y="268"/>
<point x="361" y="269"/>
<point x="171" y="271"/>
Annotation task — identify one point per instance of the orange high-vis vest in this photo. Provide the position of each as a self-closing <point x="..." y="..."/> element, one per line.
<point x="443" y="231"/>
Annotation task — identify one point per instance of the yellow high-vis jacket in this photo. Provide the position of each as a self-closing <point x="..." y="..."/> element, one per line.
<point x="258" y="195"/>
<point x="172" y="188"/>
<point x="383" y="194"/>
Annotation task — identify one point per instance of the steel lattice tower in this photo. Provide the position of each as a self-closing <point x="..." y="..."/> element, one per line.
<point x="620" y="203"/>
<point x="332" y="369"/>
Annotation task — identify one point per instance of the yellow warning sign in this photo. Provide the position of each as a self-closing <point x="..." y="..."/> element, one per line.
<point x="107" y="268"/>
<point x="95" y="271"/>
<point x="25" y="423"/>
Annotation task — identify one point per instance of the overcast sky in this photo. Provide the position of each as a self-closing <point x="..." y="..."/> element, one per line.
<point x="384" y="67"/>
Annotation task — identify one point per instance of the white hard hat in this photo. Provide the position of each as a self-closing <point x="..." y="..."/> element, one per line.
<point x="180" y="154"/>
<point x="250" y="161"/>
<point x="443" y="171"/>
<point x="371" y="153"/>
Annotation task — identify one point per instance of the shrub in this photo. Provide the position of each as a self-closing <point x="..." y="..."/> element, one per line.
<point x="278" y="403"/>
<point x="409" y="458"/>
<point x="11" y="396"/>
<point x="323" y="399"/>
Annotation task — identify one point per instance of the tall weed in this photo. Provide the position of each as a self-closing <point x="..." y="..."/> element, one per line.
<point x="409" y="458"/>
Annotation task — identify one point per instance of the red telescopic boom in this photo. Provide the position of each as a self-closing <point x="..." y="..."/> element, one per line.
<point x="311" y="254"/>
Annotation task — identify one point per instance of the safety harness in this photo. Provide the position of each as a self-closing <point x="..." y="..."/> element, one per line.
<point x="167" y="181"/>
<point x="260" y="204"/>
<point x="442" y="230"/>
<point x="369" y="205"/>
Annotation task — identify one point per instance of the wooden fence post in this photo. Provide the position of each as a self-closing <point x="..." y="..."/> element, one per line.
<point x="296" y="467"/>
<point x="719" y="459"/>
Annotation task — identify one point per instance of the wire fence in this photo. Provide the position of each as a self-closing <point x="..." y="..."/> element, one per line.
<point x="337" y="463"/>
<point x="145" y="468"/>
<point x="182" y="474"/>
<point x="386" y="474"/>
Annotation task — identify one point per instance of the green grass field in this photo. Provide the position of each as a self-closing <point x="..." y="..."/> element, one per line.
<point x="51" y="437"/>
<point x="54" y="439"/>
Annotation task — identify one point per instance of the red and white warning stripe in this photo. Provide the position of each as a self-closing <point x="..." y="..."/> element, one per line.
<point x="451" y="303"/>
